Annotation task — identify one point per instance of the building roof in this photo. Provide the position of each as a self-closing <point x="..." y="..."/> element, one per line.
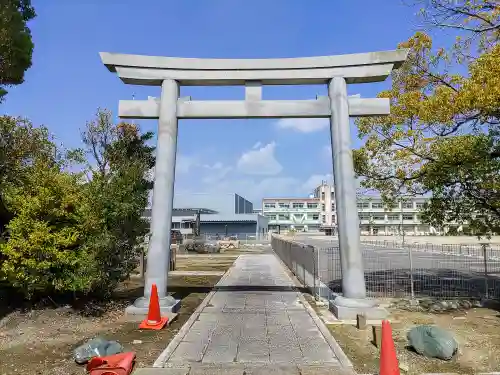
<point x="234" y="218"/>
<point x="184" y="211"/>
<point x="292" y="199"/>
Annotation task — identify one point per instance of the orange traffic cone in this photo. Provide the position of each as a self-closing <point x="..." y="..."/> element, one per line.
<point x="154" y="320"/>
<point x="388" y="359"/>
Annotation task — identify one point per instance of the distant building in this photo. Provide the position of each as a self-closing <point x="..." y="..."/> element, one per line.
<point x="376" y="218"/>
<point x="318" y="213"/>
<point x="223" y="203"/>
<point x="222" y="214"/>
<point x="302" y="214"/>
<point x="328" y="214"/>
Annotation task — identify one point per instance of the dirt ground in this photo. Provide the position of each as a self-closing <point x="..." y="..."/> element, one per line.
<point x="40" y="340"/>
<point x="476" y="331"/>
<point x="195" y="262"/>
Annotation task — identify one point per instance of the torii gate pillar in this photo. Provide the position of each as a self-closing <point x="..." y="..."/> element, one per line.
<point x="335" y="71"/>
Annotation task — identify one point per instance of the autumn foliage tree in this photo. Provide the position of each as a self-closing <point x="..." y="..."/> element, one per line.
<point x="442" y="136"/>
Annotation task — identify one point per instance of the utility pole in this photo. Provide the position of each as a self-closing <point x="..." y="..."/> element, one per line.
<point x="402" y="221"/>
<point x="359" y="204"/>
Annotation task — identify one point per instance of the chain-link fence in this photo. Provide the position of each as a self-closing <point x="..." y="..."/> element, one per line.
<point x="308" y="264"/>
<point x="396" y="270"/>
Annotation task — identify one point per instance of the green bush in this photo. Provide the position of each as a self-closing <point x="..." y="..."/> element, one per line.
<point x="43" y="249"/>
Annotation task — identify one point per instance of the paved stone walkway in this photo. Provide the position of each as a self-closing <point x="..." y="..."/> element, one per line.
<point x="255" y="316"/>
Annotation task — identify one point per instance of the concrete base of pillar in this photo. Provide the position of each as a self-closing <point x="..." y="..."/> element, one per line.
<point x="350" y="308"/>
<point x="169" y="306"/>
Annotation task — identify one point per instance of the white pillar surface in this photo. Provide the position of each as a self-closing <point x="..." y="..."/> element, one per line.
<point x="163" y="192"/>
<point x="353" y="282"/>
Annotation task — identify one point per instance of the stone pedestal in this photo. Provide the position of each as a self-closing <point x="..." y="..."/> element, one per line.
<point x="168" y="306"/>
<point x="350" y="308"/>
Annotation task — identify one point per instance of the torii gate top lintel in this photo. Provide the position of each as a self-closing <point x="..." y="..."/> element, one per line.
<point x="153" y="70"/>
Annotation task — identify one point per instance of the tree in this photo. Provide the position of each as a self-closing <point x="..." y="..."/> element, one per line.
<point x="442" y="136"/>
<point x="477" y="20"/>
<point x="16" y="45"/>
<point x="116" y="195"/>
<point x="21" y="146"/>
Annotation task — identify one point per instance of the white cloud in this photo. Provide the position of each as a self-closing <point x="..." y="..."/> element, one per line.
<point x="184" y="163"/>
<point x="215" y="172"/>
<point x="314" y="181"/>
<point x="303" y="125"/>
<point x="260" y="161"/>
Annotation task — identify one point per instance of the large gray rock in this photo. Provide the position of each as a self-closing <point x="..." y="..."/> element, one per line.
<point x="433" y="342"/>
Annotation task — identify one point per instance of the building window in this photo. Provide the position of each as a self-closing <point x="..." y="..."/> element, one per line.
<point x="333" y="219"/>
<point x="333" y="195"/>
<point x="323" y="219"/>
<point x="407" y="204"/>
<point x="392" y="217"/>
<point x="312" y="205"/>
<point x="322" y="195"/>
<point x="271" y="217"/>
<point x="364" y="216"/>
<point x="378" y="217"/>
<point x="407" y="217"/>
<point x="269" y="205"/>
<point x="298" y="205"/>
<point x="176" y="225"/>
<point x="363" y="205"/>
<point x="420" y="205"/>
<point x="377" y="205"/>
<point x="322" y="207"/>
<point x="284" y="205"/>
<point x="283" y="217"/>
<point x="315" y="217"/>
<point x="333" y="206"/>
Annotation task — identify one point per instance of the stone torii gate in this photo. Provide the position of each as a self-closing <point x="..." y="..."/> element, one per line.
<point x="171" y="72"/>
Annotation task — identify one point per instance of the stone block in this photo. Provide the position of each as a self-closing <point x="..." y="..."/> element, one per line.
<point x="217" y="369"/>
<point x="253" y="352"/>
<point x="161" y="371"/>
<point x="271" y="369"/>
<point x="188" y="352"/>
<point x="219" y="353"/>
<point x="377" y="336"/>
<point x="324" y="369"/>
<point x="345" y="311"/>
<point x="361" y="322"/>
<point x="135" y="313"/>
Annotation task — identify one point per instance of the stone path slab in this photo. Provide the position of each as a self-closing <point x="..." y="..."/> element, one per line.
<point x="254" y="317"/>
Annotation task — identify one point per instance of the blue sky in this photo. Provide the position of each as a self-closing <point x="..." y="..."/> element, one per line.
<point x="254" y="158"/>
